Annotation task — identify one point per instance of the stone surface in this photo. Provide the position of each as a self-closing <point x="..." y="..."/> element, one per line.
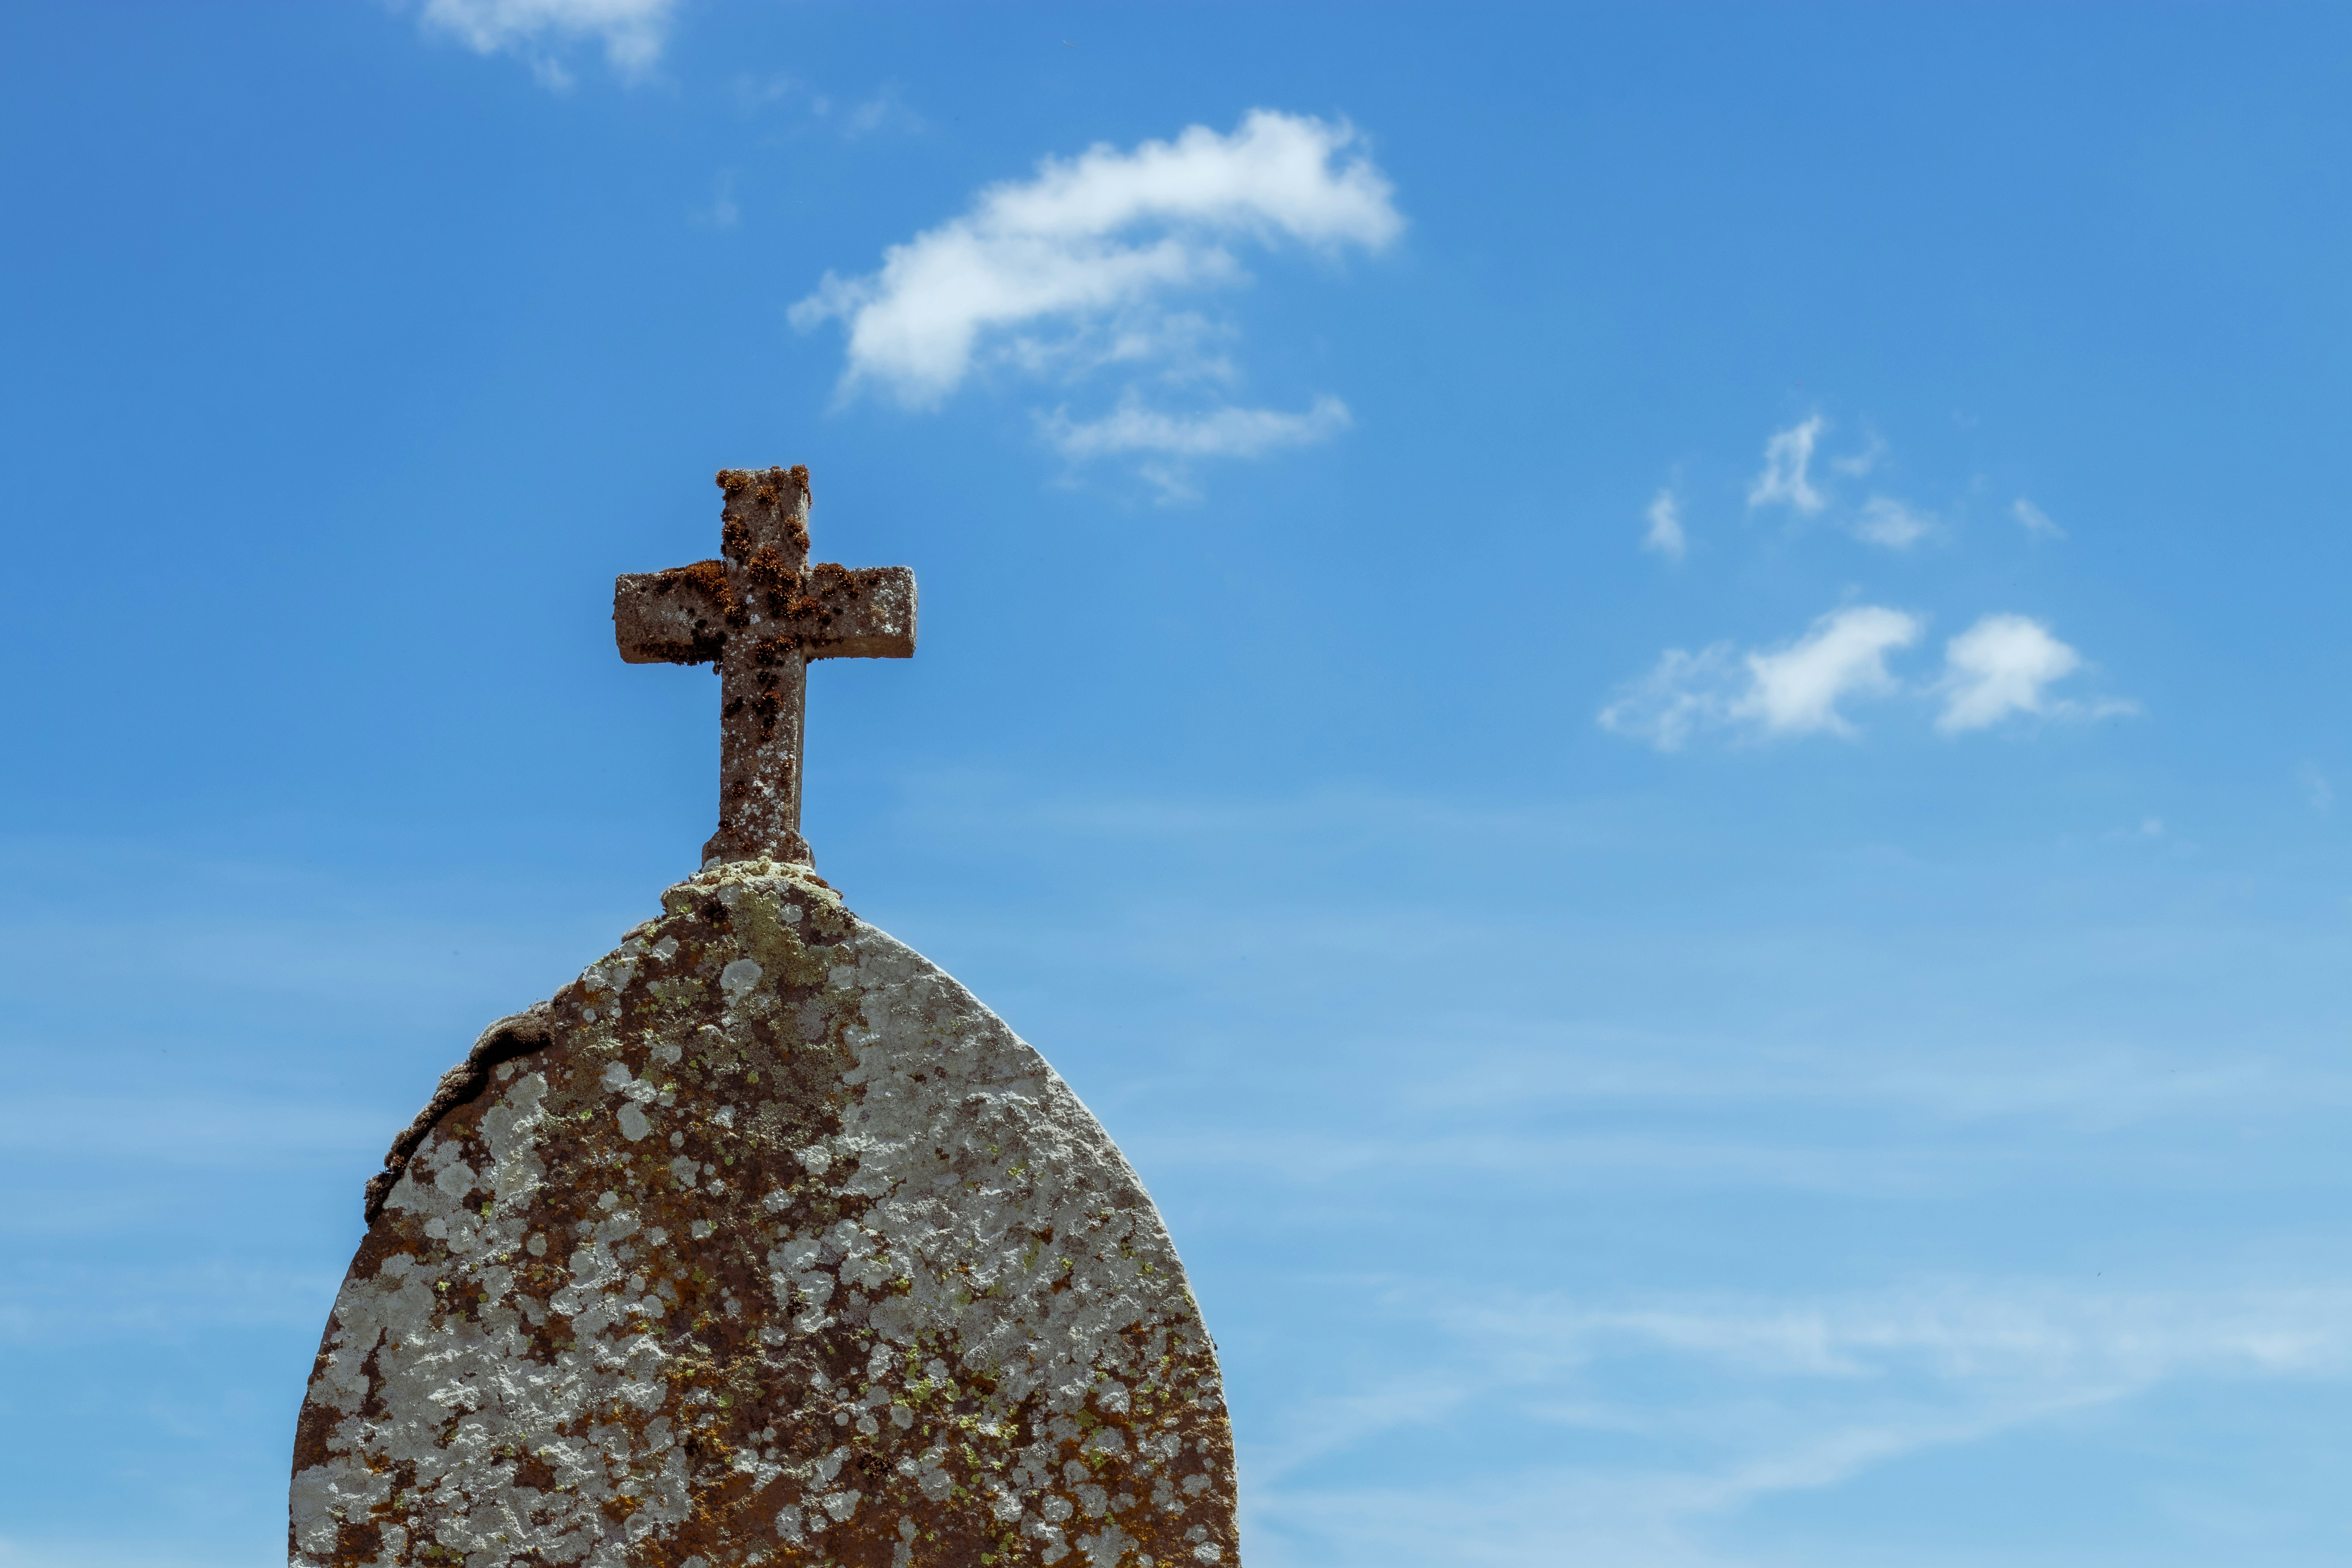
<point x="763" y="1242"/>
<point x="762" y="613"/>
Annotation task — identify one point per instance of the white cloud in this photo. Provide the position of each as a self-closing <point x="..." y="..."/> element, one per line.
<point x="1073" y="271"/>
<point x="1666" y="532"/>
<point x="1787" y="458"/>
<point x="1794" y="689"/>
<point x="2004" y="665"/>
<point x="2034" y="519"/>
<point x="632" y="30"/>
<point x="1092" y="235"/>
<point x="1895" y="524"/>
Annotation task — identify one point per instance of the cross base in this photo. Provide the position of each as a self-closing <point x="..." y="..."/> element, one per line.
<point x="728" y="845"/>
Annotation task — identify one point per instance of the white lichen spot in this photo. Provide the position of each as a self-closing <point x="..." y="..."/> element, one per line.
<point x="634" y="1122"/>
<point x="738" y="978"/>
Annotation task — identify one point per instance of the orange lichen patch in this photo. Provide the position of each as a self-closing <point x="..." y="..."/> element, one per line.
<point x="767" y="570"/>
<point x="708" y="578"/>
<point x="781" y="1250"/>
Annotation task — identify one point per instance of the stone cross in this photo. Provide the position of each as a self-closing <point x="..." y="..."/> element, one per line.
<point x="760" y="613"/>
<point x="764" y="1243"/>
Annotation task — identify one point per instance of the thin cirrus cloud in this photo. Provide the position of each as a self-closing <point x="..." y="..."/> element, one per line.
<point x="1073" y="274"/>
<point x="631" y="31"/>
<point x="1774" y="1394"/>
<point x="2002" y="666"/>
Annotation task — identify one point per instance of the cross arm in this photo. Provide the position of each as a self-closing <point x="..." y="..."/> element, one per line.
<point x="864" y="613"/>
<point x="678" y="616"/>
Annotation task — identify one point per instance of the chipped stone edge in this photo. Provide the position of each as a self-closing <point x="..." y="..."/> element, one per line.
<point x="533" y="1029"/>
<point x="516" y="1034"/>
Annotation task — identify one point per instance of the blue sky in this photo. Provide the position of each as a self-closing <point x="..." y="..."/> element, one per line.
<point x="1652" y="699"/>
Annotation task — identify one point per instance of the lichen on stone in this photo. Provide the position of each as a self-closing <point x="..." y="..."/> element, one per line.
<point x="780" y="1250"/>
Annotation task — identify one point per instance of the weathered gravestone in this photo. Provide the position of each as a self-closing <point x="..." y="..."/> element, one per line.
<point x="763" y="1242"/>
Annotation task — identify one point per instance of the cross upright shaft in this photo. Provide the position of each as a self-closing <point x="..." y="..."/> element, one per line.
<point x="760" y="613"/>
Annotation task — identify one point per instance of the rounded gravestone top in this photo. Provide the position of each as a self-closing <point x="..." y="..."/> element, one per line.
<point x="763" y="1242"/>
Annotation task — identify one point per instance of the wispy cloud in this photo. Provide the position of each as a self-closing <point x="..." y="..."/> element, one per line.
<point x="1896" y="525"/>
<point x="2005" y="664"/>
<point x="1793" y="1395"/>
<point x="23" y="1552"/>
<point x="1222" y="433"/>
<point x="1073" y="271"/>
<point x="1861" y="462"/>
<point x="631" y="31"/>
<point x="1786" y="479"/>
<point x="2034" y="519"/>
<point x="45" y="1303"/>
<point x="2316" y="787"/>
<point x="1683" y="694"/>
<point x="1787" y="460"/>
<point x="723" y="212"/>
<point x="884" y="110"/>
<point x="887" y="110"/>
<point x="1792" y="689"/>
<point x="2016" y="1332"/>
<point x="1171" y="440"/>
<point x="1665" y="531"/>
